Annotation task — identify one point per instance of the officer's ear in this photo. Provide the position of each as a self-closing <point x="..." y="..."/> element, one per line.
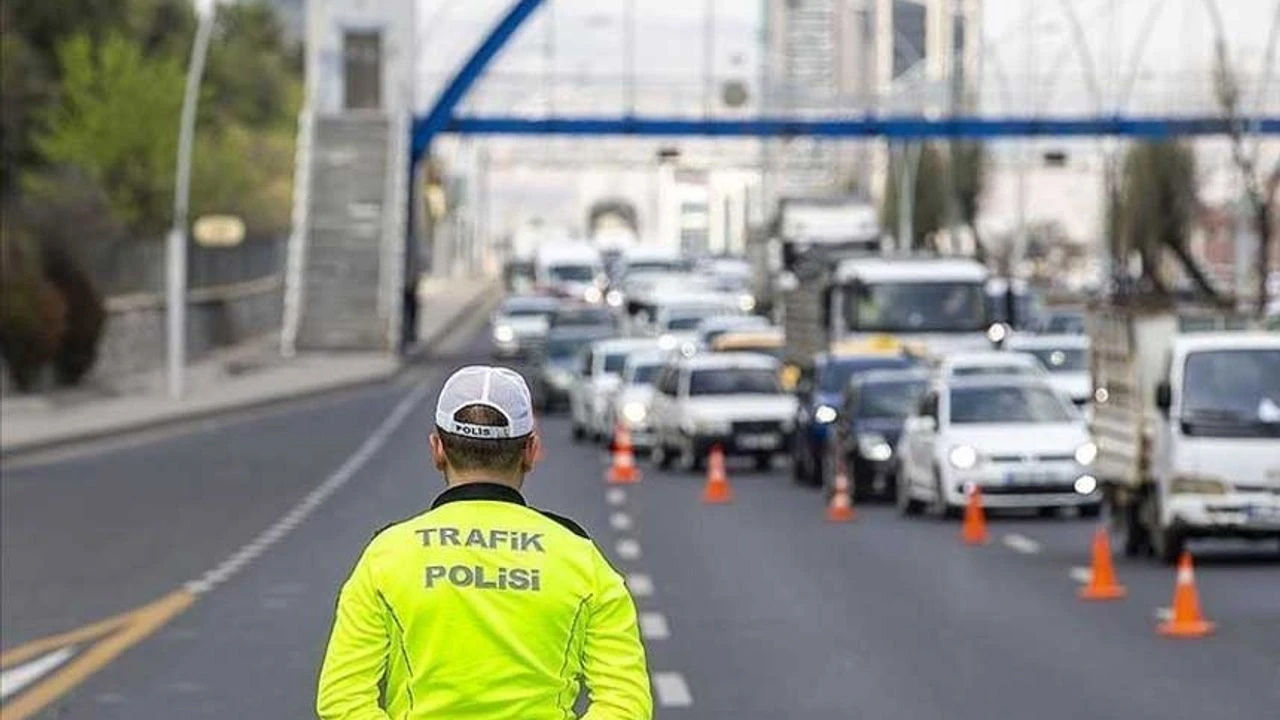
<point x="532" y="453"/>
<point x="437" y="452"/>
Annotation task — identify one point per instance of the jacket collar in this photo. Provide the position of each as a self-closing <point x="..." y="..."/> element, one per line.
<point x="479" y="491"/>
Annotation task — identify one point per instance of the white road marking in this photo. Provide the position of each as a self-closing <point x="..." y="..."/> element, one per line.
<point x="1021" y="543"/>
<point x="628" y="549"/>
<point x="16" y="678"/>
<point x="1164" y="614"/>
<point x="640" y="585"/>
<point x="653" y="626"/>
<point x="290" y="520"/>
<point x="671" y="689"/>
<point x="620" y="521"/>
<point x="616" y="496"/>
<point x="1081" y="575"/>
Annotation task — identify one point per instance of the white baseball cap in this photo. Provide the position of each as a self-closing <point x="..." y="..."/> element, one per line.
<point x="499" y="388"/>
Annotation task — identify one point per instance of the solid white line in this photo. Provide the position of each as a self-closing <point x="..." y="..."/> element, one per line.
<point x="1021" y="543"/>
<point x="1081" y="575"/>
<point x="620" y="521"/>
<point x="291" y="519"/>
<point x="16" y="678"/>
<point x="616" y="496"/>
<point x="640" y="585"/>
<point x="653" y="626"/>
<point x="628" y="549"/>
<point x="671" y="689"/>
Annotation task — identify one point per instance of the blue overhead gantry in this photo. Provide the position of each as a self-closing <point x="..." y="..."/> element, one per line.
<point x="441" y="117"/>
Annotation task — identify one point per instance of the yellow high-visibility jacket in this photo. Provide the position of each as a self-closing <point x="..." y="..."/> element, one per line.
<point x="483" y="607"/>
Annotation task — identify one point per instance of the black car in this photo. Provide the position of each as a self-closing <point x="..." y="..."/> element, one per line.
<point x="553" y="369"/>
<point x="870" y="419"/>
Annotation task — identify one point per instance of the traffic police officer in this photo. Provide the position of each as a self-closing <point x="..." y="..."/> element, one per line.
<point x="482" y="607"/>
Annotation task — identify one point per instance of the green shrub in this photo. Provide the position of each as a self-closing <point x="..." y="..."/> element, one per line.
<point x="84" y="315"/>
<point x="32" y="316"/>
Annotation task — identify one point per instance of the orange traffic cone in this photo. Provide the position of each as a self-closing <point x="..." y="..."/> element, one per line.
<point x="840" y="509"/>
<point x="1102" y="581"/>
<point x="974" y="530"/>
<point x="1187" y="621"/>
<point x="623" y="469"/>
<point x="717" y="490"/>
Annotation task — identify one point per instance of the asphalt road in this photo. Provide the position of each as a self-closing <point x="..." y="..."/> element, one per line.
<point x="756" y="609"/>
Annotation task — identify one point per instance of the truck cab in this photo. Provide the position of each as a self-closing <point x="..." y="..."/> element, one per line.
<point x="1188" y="431"/>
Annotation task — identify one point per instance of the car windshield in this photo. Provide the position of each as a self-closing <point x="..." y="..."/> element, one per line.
<point x="835" y="375"/>
<point x="645" y="374"/>
<point x="1061" y="359"/>
<point x="561" y="348"/>
<point x="991" y="369"/>
<point x="1064" y="323"/>
<point x="889" y="399"/>
<point x="654" y="266"/>
<point x="917" y="307"/>
<point x="1003" y="405"/>
<point x="685" y="321"/>
<point x="582" y="316"/>
<point x="734" y="381"/>
<point x="572" y="273"/>
<point x="525" y="308"/>
<point x="1231" y="393"/>
<point x="614" y="362"/>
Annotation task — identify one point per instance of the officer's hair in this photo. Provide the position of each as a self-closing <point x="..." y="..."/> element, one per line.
<point x="501" y="455"/>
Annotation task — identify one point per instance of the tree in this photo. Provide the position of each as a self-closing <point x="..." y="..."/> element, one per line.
<point x="967" y="165"/>
<point x="116" y="121"/>
<point x="1155" y="208"/>
<point x="929" y="209"/>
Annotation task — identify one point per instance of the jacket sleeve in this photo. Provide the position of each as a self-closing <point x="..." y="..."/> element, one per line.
<point x="613" y="657"/>
<point x="355" y="662"/>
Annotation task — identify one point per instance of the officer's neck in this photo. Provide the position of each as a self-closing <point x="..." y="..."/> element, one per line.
<point x="454" y="478"/>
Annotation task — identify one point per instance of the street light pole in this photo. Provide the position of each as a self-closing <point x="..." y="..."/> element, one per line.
<point x="176" y="241"/>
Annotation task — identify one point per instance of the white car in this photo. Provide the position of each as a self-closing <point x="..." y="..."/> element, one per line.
<point x="987" y="362"/>
<point x="733" y="400"/>
<point x="676" y="319"/>
<point x="629" y="405"/>
<point x="1014" y="437"/>
<point x="519" y="325"/>
<point x="1065" y="357"/>
<point x="596" y="378"/>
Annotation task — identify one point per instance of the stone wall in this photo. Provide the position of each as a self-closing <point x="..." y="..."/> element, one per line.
<point x="220" y="316"/>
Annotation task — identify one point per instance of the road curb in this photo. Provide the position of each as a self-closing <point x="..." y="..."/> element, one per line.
<point x="415" y="357"/>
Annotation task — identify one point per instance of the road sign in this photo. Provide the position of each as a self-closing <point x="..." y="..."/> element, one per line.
<point x="218" y="231"/>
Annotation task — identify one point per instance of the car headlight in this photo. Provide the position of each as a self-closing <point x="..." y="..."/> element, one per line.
<point x="1086" y="453"/>
<point x="1085" y="485"/>
<point x="746" y="303"/>
<point x="592" y="295"/>
<point x="825" y="414"/>
<point x="963" y="457"/>
<point x="874" y="447"/>
<point x="667" y="342"/>
<point x="614" y="298"/>
<point x="634" y="412"/>
<point x="1199" y="486"/>
<point x="560" y="378"/>
<point x="504" y="334"/>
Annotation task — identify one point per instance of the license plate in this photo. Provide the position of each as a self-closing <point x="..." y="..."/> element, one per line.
<point x="766" y="441"/>
<point x="1268" y="514"/>
<point x="1030" y="477"/>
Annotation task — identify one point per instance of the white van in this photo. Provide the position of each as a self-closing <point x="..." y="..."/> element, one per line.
<point x="571" y="270"/>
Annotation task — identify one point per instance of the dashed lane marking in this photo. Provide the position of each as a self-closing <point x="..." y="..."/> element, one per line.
<point x="653" y="626"/>
<point x="1081" y="574"/>
<point x="620" y="521"/>
<point x="616" y="496"/>
<point x="628" y="549"/>
<point x="1020" y="543"/>
<point x="640" y="585"/>
<point x="671" y="689"/>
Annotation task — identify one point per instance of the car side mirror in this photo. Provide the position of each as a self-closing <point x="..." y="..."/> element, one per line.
<point x="1164" y="397"/>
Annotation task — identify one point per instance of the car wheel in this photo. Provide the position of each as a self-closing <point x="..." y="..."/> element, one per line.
<point x="578" y="432"/>
<point x="1168" y="544"/>
<point x="1092" y="510"/>
<point x="907" y="505"/>
<point x="764" y="462"/>
<point x="689" y="460"/>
